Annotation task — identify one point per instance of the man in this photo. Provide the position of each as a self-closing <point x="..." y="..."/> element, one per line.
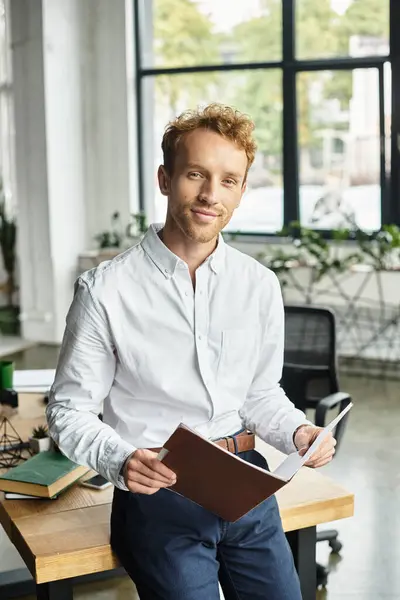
<point x="183" y="328"/>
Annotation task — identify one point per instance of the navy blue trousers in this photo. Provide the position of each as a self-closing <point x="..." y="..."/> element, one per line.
<point x="174" y="549"/>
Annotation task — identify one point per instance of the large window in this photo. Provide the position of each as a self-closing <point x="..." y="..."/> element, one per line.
<point x="339" y="149"/>
<point x="253" y="91"/>
<point x="189" y="33"/>
<point x="341" y="28"/>
<point x="315" y="77"/>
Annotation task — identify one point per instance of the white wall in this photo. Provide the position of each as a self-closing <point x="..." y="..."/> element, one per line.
<point x="34" y="237"/>
<point x="64" y="142"/>
<point x="75" y="143"/>
<point x="109" y="137"/>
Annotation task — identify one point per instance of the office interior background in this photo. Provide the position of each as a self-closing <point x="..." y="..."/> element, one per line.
<point x="86" y="89"/>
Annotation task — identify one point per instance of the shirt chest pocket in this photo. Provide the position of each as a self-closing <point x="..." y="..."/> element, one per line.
<point x="238" y="353"/>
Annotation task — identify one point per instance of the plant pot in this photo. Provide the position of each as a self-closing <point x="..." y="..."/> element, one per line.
<point x="9" y="320"/>
<point x="40" y="444"/>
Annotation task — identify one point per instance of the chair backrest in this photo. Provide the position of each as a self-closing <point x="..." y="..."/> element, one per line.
<point x="310" y="339"/>
<point x="309" y="371"/>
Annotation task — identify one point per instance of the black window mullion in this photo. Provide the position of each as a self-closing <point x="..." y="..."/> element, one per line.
<point x="394" y="209"/>
<point x="137" y="16"/>
<point x="385" y="213"/>
<point x="290" y="150"/>
<point x="345" y="64"/>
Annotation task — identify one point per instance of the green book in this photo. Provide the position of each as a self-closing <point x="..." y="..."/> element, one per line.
<point x="45" y="475"/>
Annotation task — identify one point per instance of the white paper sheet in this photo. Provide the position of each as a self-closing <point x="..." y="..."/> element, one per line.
<point x="35" y="380"/>
<point x="294" y="461"/>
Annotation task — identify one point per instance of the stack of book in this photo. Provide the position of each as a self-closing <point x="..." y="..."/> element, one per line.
<point x="45" y="475"/>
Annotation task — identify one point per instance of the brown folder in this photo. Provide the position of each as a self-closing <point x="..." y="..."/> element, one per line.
<point x="214" y="478"/>
<point x="222" y="482"/>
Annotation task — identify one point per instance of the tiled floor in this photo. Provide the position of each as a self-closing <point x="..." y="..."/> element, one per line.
<point x="368" y="465"/>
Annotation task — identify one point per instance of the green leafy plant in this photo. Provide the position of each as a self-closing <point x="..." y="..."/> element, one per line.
<point x="318" y="253"/>
<point x="380" y="249"/>
<point x="117" y="235"/>
<point x="137" y="225"/>
<point x="111" y="238"/>
<point x="40" y="432"/>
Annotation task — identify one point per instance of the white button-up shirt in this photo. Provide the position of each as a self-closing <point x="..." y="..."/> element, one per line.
<point x="148" y="350"/>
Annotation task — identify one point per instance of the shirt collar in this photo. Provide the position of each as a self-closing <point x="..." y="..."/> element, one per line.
<point x="167" y="261"/>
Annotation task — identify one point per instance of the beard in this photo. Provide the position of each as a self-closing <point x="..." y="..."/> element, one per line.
<point x="201" y="232"/>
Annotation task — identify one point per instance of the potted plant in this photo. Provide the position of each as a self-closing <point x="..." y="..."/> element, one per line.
<point x="111" y="238"/>
<point x="113" y="241"/>
<point x="9" y="314"/>
<point x="40" y="440"/>
<point x="136" y="227"/>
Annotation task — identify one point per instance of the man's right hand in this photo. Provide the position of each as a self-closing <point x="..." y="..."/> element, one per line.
<point x="145" y="474"/>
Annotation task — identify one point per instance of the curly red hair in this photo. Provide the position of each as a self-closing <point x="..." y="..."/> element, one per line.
<point x="225" y="120"/>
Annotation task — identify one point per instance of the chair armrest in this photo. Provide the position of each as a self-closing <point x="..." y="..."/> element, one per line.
<point x="341" y="399"/>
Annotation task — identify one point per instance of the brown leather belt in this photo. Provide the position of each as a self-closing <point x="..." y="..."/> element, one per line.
<point x="242" y="442"/>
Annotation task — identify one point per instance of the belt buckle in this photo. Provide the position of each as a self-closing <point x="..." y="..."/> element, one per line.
<point x="233" y="438"/>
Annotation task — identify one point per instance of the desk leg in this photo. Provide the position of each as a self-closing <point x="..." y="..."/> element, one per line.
<point x="303" y="542"/>
<point x="55" y="590"/>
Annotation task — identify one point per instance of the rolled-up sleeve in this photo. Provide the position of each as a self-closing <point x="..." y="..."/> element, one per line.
<point x="267" y="411"/>
<point x="84" y="376"/>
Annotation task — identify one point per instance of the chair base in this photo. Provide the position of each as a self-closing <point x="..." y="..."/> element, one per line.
<point x="331" y="536"/>
<point x="322" y="576"/>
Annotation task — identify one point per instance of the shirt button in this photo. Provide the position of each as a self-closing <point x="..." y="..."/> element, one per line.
<point x="186" y="293"/>
<point x="166" y="271"/>
<point x="199" y="337"/>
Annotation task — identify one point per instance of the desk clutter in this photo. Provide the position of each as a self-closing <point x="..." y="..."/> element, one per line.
<point x="35" y="467"/>
<point x="11" y="444"/>
<point x="13" y="450"/>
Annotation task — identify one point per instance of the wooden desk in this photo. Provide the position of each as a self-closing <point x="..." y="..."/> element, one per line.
<point x="69" y="537"/>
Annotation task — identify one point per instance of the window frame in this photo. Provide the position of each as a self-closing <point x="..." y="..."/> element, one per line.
<point x="290" y="67"/>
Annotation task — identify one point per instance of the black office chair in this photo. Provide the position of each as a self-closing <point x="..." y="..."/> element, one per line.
<point x="310" y="380"/>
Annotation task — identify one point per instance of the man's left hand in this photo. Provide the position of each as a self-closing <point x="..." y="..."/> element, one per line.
<point x="305" y="436"/>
